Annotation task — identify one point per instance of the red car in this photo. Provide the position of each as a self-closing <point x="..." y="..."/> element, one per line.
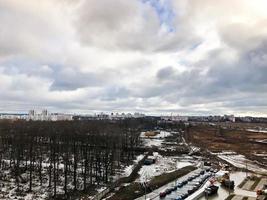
<point x="162" y="194"/>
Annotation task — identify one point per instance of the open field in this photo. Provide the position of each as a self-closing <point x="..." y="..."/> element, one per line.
<point x="229" y="137"/>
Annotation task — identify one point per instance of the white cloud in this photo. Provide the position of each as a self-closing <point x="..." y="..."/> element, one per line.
<point x="118" y="55"/>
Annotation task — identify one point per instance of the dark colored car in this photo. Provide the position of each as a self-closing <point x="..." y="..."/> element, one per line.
<point x="179" y="185"/>
<point x="185" y="195"/>
<point x="168" y="190"/>
<point x="173" y="188"/>
<point x="228" y="184"/>
<point x="190" y="191"/>
<point x="162" y="194"/>
<point x="213" y="189"/>
<point x="190" y="178"/>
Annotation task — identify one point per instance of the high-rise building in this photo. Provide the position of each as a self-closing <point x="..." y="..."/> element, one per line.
<point x="31" y="112"/>
<point x="44" y="112"/>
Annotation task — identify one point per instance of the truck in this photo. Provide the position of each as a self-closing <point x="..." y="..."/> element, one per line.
<point x="228" y="183"/>
<point x="210" y="190"/>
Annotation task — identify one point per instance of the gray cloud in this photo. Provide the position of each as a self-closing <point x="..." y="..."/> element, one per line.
<point x="129" y="26"/>
<point x="209" y="58"/>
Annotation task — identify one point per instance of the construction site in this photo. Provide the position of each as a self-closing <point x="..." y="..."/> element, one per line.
<point x="241" y="147"/>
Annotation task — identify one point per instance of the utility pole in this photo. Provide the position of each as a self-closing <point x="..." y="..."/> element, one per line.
<point x="144" y="183"/>
<point x="145" y="191"/>
<point x="229" y="184"/>
<point x="246" y="168"/>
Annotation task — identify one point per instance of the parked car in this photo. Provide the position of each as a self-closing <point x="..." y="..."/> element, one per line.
<point x="149" y="161"/>
<point x="179" y="198"/>
<point x="168" y="190"/>
<point x="185" y="195"/>
<point x="179" y="185"/>
<point x="213" y="189"/>
<point x="190" y="178"/>
<point x="173" y="188"/>
<point x="162" y="194"/>
<point x="228" y="183"/>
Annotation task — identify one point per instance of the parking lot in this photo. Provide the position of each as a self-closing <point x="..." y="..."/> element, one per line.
<point x="182" y="187"/>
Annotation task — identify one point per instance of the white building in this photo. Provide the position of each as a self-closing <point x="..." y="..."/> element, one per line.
<point x="46" y="116"/>
<point x="230" y="118"/>
<point x="7" y="116"/>
<point x="117" y="116"/>
<point x="60" y="117"/>
<point x="176" y="118"/>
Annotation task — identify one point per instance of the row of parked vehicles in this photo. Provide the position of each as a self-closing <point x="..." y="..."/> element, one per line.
<point x="187" y="186"/>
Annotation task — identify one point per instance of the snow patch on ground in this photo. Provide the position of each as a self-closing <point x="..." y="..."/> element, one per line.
<point x="160" y="135"/>
<point x="156" y="140"/>
<point x="129" y="169"/>
<point x="261" y="155"/>
<point x="180" y="165"/>
<point x="241" y="162"/>
<point x="223" y="153"/>
<point x="152" y="142"/>
<point x="163" y="165"/>
<point x="101" y="189"/>
<point x="258" y="130"/>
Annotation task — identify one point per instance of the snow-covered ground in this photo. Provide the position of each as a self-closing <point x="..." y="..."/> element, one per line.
<point x="128" y="169"/>
<point x="264" y="155"/>
<point x="152" y="142"/>
<point x="9" y="189"/>
<point x="262" y="141"/>
<point x="182" y="164"/>
<point x="241" y="162"/>
<point x="223" y="153"/>
<point x="101" y="189"/>
<point x="163" y="165"/>
<point x="161" y="134"/>
<point x="260" y="130"/>
<point x="156" y="140"/>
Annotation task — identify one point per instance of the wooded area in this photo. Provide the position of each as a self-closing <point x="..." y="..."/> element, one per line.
<point x="68" y="155"/>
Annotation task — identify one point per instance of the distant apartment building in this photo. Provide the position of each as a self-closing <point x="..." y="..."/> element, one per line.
<point x="176" y="118"/>
<point x="7" y="116"/>
<point x="230" y="118"/>
<point x="46" y="116"/>
<point x="118" y="116"/>
<point x="31" y="112"/>
<point x="60" y="117"/>
<point x="111" y="116"/>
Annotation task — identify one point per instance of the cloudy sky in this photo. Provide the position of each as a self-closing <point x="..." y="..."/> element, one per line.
<point x="152" y="56"/>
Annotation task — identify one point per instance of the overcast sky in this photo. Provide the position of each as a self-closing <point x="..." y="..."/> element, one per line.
<point x="153" y="56"/>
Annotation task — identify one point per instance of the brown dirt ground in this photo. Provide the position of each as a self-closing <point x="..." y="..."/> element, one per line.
<point x="231" y="137"/>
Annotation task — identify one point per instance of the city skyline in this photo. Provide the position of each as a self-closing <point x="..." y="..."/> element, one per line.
<point x="40" y="114"/>
<point x="155" y="57"/>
